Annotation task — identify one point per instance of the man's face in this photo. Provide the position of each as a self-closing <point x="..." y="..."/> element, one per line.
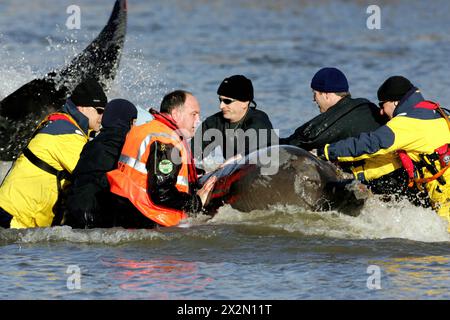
<point x="232" y="109"/>
<point x="322" y="100"/>
<point x="94" y="114"/>
<point x="387" y="108"/>
<point x="188" y="116"/>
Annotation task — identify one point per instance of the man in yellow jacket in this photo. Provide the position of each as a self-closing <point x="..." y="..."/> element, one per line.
<point x="30" y="191"/>
<point x="418" y="134"/>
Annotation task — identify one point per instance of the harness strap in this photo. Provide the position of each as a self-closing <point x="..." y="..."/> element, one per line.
<point x="434" y="177"/>
<point x="60" y="175"/>
<point x="425" y="161"/>
<point x="428" y="160"/>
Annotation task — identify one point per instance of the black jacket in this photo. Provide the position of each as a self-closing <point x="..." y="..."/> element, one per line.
<point x="87" y="199"/>
<point x="348" y="118"/>
<point x="254" y="119"/>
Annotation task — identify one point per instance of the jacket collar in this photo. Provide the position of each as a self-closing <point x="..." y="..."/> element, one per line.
<point x="83" y="121"/>
<point x="412" y="98"/>
<point x="164" y="118"/>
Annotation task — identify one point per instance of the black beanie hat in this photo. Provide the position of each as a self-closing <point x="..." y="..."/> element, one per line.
<point x="236" y="87"/>
<point x="89" y="93"/>
<point x="394" y="89"/>
<point x="119" y="113"/>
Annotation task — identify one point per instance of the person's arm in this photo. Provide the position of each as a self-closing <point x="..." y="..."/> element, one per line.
<point x="314" y="134"/>
<point x="298" y="139"/>
<point x="163" y="165"/>
<point x="386" y="139"/>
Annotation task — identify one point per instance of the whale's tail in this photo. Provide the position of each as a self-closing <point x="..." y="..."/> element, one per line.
<point x="23" y="109"/>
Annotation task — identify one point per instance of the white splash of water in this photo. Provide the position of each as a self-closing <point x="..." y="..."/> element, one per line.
<point x="378" y="220"/>
<point x="141" y="82"/>
<point x="111" y="236"/>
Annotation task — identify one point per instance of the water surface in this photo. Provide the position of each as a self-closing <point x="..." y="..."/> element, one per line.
<point x="282" y="253"/>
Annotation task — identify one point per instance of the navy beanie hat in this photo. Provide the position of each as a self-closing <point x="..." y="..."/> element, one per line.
<point x="89" y="93"/>
<point x="394" y="89"/>
<point x="119" y="113"/>
<point x="236" y="87"/>
<point x="329" y="80"/>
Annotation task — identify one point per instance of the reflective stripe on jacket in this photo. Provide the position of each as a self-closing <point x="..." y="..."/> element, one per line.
<point x="129" y="180"/>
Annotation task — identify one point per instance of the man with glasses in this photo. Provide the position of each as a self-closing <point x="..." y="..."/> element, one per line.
<point x="238" y="129"/>
<point x="29" y="193"/>
<point x="418" y="134"/>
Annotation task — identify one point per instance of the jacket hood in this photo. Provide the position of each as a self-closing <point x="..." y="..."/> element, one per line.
<point x="119" y="113"/>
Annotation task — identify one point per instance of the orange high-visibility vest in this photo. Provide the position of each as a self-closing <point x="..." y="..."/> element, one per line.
<point x="129" y="180"/>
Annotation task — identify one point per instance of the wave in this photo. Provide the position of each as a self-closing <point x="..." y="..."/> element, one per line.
<point x="378" y="220"/>
<point x="113" y="236"/>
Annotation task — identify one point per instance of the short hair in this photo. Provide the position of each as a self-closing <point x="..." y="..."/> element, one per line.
<point x="173" y="100"/>
<point x="343" y="94"/>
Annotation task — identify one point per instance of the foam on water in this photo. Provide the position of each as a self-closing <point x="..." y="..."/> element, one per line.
<point x="112" y="236"/>
<point x="378" y="220"/>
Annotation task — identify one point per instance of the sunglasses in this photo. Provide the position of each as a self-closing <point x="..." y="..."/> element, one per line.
<point x="99" y="110"/>
<point x="226" y="100"/>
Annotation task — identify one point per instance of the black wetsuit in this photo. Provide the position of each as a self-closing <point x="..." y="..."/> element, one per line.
<point x="347" y="118"/>
<point x="5" y="219"/>
<point x="254" y="119"/>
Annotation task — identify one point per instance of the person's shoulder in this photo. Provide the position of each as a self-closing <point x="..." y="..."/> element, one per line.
<point x="360" y="106"/>
<point x="59" y="127"/>
<point x="363" y="102"/>
<point x="259" y="113"/>
<point x="259" y="116"/>
<point x="366" y="110"/>
<point x="214" y="120"/>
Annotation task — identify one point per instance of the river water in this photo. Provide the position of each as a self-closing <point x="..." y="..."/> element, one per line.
<point x="391" y="251"/>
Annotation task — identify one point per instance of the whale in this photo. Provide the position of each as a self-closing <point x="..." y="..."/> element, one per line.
<point x="288" y="176"/>
<point x="22" y="110"/>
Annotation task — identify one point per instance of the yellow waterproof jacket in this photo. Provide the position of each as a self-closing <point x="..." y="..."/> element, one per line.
<point x="29" y="193"/>
<point x="412" y="129"/>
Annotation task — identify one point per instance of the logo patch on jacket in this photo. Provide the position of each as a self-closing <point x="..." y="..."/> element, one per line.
<point x="165" y="166"/>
